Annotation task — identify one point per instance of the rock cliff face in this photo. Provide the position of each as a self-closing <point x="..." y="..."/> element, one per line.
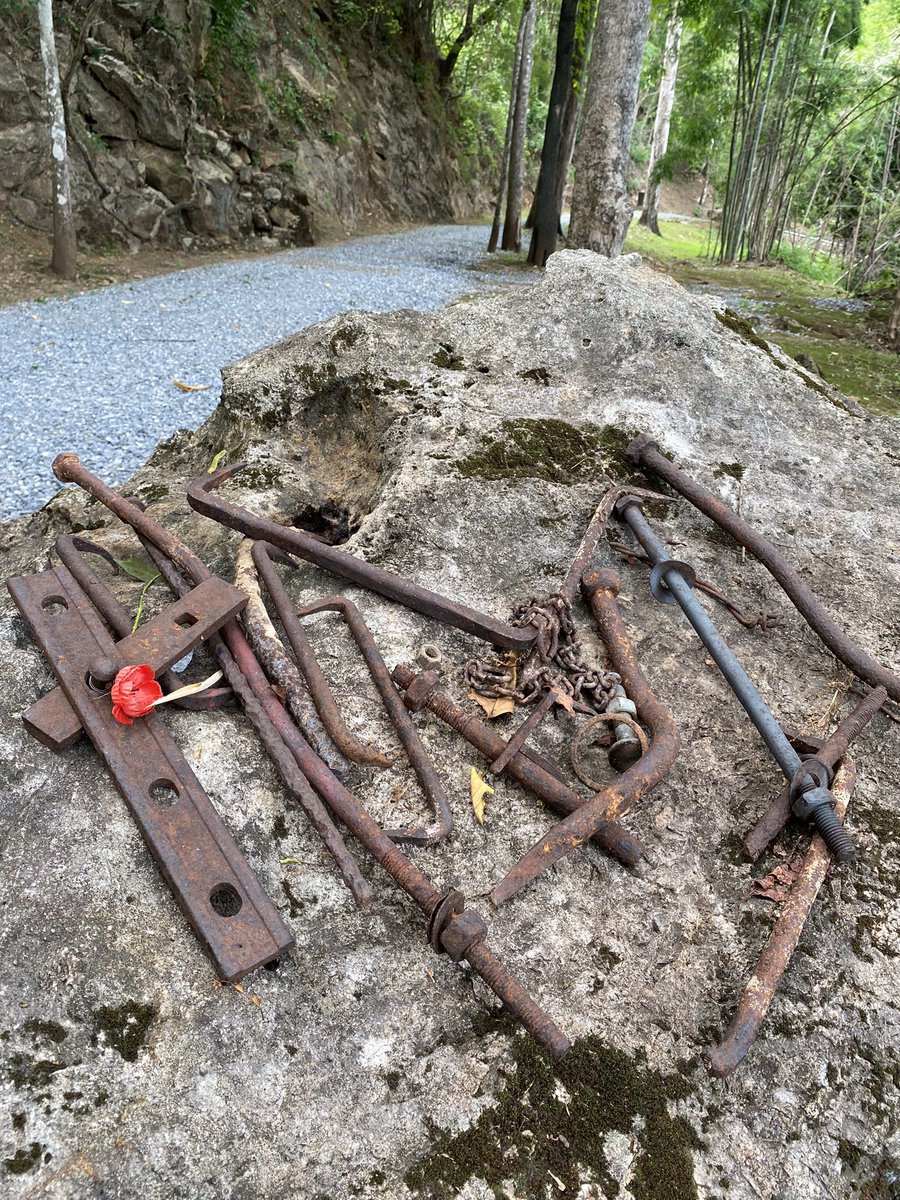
<point x="471" y="447"/>
<point x="192" y="120"/>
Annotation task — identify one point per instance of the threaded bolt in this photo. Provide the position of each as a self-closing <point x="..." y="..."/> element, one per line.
<point x="835" y="836"/>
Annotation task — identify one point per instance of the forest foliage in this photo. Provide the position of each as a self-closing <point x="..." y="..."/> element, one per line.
<point x="786" y="113"/>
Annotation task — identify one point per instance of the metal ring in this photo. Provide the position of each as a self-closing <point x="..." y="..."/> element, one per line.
<point x="658" y="586"/>
<point x="812" y="773"/>
<point x="599" y="719"/>
<point x="450" y="904"/>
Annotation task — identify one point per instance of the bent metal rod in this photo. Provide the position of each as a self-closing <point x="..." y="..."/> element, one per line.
<point x="672" y="582"/>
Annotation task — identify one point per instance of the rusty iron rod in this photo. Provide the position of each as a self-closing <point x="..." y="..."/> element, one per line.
<point x="282" y="670"/>
<point x="421" y="764"/>
<point x="422" y="691"/>
<point x="600" y="589"/>
<point x="345" y="806"/>
<point x="645" y="451"/>
<point x="516" y="743"/>
<point x="348" y="566"/>
<point x="759" y="991"/>
<point x="830" y="752"/>
<point x="350" y="746"/>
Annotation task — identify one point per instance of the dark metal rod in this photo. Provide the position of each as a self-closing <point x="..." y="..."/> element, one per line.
<point x="326" y="706"/>
<point x="675" y="584"/>
<point x="367" y="575"/>
<point x="759" y="991"/>
<point x="830" y="752"/>
<point x="735" y="675"/>
<point x="646" y="452"/>
<point x="524" y="732"/>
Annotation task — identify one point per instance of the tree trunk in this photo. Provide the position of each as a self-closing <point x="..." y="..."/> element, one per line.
<point x="507" y="141"/>
<point x="512" y="223"/>
<point x="664" y="105"/>
<point x="573" y="110"/>
<point x="545" y="213"/>
<point x="601" y="207"/>
<point x="63" y="261"/>
<point x="894" y="326"/>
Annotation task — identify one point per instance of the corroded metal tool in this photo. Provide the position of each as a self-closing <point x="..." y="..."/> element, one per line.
<point x="645" y="451"/>
<point x="759" y="991"/>
<point x="158" y="643"/>
<point x="230" y="913"/>
<point x="452" y="929"/>
<point x="367" y="575"/>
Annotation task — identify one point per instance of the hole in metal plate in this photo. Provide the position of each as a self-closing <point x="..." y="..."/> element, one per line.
<point x="164" y="792"/>
<point x="226" y="900"/>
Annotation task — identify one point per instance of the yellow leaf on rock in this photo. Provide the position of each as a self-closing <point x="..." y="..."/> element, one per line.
<point x="494" y="706"/>
<point x="479" y="790"/>
<point x="191" y="387"/>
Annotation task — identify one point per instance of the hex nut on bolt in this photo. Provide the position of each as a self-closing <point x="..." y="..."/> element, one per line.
<point x="429" y="657"/>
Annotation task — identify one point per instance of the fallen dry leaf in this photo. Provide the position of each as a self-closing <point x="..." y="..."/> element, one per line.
<point x="494" y="706"/>
<point x="777" y="884"/>
<point x="479" y="790"/>
<point x="563" y="699"/>
<point x="191" y="387"/>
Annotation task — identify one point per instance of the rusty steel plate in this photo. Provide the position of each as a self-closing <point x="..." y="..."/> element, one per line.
<point x="158" y="643"/>
<point x="231" y="915"/>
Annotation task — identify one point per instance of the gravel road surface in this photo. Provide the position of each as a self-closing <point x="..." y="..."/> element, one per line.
<point x="95" y="373"/>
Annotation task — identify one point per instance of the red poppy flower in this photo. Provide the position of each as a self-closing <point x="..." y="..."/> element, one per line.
<point x="134" y="693"/>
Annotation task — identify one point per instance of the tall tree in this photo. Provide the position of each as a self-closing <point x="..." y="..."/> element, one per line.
<point x="664" y="105"/>
<point x="64" y="257"/>
<point x="545" y="214"/>
<point x="601" y="207"/>
<point x="512" y="222"/>
<point x="507" y="141"/>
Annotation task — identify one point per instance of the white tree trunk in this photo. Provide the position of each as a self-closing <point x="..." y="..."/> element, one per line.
<point x="64" y="252"/>
<point x="664" y="105"/>
<point x="512" y="224"/>
<point x="601" y="206"/>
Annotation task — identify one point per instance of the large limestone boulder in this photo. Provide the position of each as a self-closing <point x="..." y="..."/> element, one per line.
<point x="470" y="447"/>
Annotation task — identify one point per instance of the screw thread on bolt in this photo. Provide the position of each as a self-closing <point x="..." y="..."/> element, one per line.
<point x="833" y="833"/>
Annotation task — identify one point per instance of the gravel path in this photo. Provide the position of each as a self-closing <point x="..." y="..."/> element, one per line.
<point x="94" y="373"/>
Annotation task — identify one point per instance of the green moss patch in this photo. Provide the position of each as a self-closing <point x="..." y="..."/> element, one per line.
<point x="124" y="1028"/>
<point x="548" y="1127"/>
<point x="552" y="450"/>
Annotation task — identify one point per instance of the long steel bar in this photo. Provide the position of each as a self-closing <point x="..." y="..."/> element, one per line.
<point x="461" y="933"/>
<point x="831" y="751"/>
<point x="421" y="764"/>
<point x="760" y="989"/>
<point x="210" y="878"/>
<point x="600" y="589"/>
<point x="367" y="575"/>
<point x="422" y="691"/>
<point x="678" y="587"/>
<point x="645" y="451"/>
